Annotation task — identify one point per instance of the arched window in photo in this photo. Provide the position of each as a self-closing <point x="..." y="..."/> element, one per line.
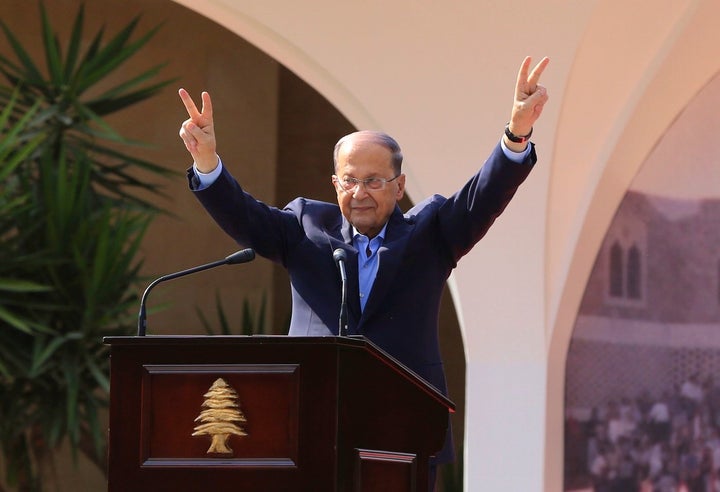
<point x="616" y="270"/>
<point x="634" y="273"/>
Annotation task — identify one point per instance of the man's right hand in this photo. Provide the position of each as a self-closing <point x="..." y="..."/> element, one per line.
<point x="198" y="133"/>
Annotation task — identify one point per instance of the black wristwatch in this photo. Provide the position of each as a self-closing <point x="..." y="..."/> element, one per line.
<point x="516" y="138"/>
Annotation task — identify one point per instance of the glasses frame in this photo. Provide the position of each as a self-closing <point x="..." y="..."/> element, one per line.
<point x="357" y="182"/>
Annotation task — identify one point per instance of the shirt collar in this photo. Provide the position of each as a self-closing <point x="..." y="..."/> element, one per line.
<point x="380" y="236"/>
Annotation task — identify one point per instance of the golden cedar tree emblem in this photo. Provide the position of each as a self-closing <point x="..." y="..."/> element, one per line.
<point x="220" y="417"/>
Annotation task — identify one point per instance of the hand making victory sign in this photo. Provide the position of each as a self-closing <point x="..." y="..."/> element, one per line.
<point x="198" y="132"/>
<point x="530" y="98"/>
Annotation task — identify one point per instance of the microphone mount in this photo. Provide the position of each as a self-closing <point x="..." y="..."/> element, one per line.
<point x="340" y="257"/>
<point x="242" y="256"/>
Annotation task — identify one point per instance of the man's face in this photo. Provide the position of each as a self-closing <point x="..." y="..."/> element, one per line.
<point x="367" y="210"/>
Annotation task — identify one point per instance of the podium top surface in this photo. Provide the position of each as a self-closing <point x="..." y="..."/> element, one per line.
<point x="353" y="341"/>
<point x="350" y="342"/>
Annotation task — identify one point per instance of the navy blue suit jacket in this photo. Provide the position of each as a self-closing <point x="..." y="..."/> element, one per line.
<point x="420" y="249"/>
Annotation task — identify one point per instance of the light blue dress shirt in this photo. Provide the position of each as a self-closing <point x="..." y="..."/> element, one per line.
<point x="368" y="261"/>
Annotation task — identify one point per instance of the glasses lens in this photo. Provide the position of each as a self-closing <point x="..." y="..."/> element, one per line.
<point x="375" y="184"/>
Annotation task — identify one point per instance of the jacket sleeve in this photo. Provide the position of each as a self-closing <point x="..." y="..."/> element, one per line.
<point x="466" y="216"/>
<point x="250" y="222"/>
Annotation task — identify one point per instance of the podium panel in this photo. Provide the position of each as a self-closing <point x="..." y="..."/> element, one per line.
<point x="266" y="396"/>
<point x="268" y="414"/>
<point x="378" y="471"/>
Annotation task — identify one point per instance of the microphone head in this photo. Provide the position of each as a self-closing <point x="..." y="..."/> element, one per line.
<point x="242" y="256"/>
<point x="339" y="255"/>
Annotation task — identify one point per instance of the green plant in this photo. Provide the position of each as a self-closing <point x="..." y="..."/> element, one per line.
<point x="13" y="151"/>
<point x="71" y="223"/>
<point x="252" y="324"/>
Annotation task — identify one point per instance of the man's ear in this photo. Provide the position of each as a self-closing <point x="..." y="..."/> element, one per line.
<point x="401" y="187"/>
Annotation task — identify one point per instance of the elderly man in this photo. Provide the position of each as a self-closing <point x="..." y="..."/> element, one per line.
<point x="397" y="264"/>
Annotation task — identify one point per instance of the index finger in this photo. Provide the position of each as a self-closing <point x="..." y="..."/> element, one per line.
<point x="189" y="104"/>
<point x="537" y="72"/>
<point x="522" y="76"/>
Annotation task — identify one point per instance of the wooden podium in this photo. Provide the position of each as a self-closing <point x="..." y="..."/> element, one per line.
<point x="268" y="413"/>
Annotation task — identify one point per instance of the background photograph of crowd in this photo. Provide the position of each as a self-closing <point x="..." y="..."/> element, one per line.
<point x="667" y="443"/>
<point x="642" y="375"/>
<point x="642" y="399"/>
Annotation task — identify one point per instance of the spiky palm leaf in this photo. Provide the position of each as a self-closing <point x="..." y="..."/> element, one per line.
<point x="70" y="230"/>
<point x="71" y="113"/>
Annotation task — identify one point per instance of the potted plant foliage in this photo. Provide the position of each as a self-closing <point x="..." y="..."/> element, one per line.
<point x="70" y="228"/>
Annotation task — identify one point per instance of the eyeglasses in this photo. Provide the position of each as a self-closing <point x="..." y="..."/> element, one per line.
<point x="372" y="184"/>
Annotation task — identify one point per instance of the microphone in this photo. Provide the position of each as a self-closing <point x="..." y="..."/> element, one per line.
<point x="340" y="257"/>
<point x="242" y="256"/>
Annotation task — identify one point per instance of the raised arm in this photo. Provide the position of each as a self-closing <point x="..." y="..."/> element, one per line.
<point x="198" y="132"/>
<point x="530" y="98"/>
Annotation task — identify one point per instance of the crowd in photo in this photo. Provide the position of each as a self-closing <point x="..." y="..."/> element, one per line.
<point x="666" y="443"/>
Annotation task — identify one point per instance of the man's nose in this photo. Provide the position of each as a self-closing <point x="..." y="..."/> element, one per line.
<point x="360" y="192"/>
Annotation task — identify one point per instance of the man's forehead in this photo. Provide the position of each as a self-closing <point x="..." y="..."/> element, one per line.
<point x="363" y="143"/>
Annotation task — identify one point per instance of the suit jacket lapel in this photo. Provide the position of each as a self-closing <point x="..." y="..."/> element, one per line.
<point x="353" y="293"/>
<point x="390" y="254"/>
